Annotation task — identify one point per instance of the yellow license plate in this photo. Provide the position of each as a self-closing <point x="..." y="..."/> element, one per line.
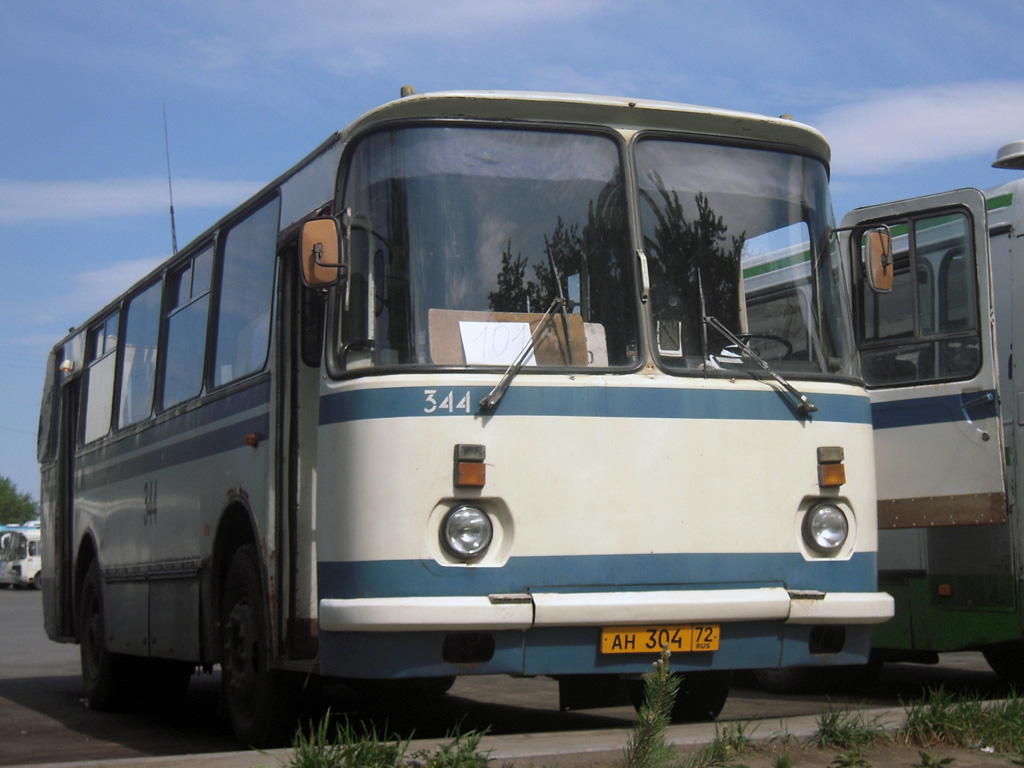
<point x="679" y="638"/>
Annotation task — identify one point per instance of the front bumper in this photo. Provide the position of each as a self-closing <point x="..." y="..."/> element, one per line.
<point x="522" y="611"/>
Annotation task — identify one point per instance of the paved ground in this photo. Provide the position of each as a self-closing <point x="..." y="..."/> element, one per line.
<point x="43" y="720"/>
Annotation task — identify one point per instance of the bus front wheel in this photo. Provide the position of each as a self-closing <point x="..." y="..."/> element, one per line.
<point x="254" y="694"/>
<point x="104" y="674"/>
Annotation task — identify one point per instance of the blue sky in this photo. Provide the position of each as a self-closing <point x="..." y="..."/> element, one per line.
<point x="914" y="97"/>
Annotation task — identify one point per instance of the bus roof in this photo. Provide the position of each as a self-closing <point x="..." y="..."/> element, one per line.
<point x="618" y="112"/>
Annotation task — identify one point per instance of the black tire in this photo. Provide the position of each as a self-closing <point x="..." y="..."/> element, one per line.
<point x="700" y="699"/>
<point x="256" y="698"/>
<point x="105" y="675"/>
<point x="1007" y="661"/>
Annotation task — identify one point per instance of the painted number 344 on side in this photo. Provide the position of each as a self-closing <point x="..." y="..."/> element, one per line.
<point x="446" y="402"/>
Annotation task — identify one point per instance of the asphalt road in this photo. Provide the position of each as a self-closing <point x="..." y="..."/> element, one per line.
<point x="43" y="718"/>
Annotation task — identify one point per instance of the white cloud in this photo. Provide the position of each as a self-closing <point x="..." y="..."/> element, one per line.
<point x="56" y="200"/>
<point x="901" y="128"/>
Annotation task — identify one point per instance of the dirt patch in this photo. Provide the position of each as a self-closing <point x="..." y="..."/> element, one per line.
<point x="888" y="755"/>
<point x="883" y="755"/>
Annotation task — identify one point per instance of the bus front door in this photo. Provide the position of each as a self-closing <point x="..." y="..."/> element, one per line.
<point x="63" y="510"/>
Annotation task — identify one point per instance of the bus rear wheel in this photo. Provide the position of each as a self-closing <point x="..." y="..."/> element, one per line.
<point x="256" y="697"/>
<point x="1007" y="661"/>
<point x="104" y="674"/>
<point x="700" y="699"/>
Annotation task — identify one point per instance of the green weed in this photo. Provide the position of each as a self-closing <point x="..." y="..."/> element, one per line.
<point x="851" y="759"/>
<point x="928" y="761"/>
<point x="846" y="729"/>
<point x="960" y="721"/>
<point x="349" y="747"/>
<point x="462" y="750"/>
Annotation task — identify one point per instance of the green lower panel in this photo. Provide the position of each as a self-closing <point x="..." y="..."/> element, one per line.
<point x="949" y="613"/>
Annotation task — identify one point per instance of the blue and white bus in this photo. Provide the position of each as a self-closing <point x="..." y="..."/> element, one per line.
<point x="475" y="388"/>
<point x="20" y="564"/>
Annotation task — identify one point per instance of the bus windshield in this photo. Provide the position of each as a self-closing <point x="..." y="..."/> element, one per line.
<point x="463" y="242"/>
<point x="743" y="236"/>
<point x="17" y="547"/>
<point x="461" y="238"/>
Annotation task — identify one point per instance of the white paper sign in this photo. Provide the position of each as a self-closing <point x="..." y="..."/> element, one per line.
<point x="491" y="343"/>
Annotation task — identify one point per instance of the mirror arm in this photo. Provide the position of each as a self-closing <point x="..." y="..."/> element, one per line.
<point x="318" y="256"/>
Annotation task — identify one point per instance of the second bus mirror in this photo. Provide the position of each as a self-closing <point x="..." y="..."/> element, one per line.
<point x="878" y="259"/>
<point x="320" y="253"/>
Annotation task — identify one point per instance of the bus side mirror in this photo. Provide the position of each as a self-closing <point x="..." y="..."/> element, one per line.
<point x="878" y="259"/>
<point x="320" y="253"/>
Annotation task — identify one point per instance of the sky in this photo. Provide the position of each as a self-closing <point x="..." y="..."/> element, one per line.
<point x="914" y="96"/>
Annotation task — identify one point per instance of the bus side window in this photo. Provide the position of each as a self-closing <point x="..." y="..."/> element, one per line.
<point x="246" y="295"/>
<point x="138" y="370"/>
<point x="188" y="305"/>
<point x="926" y="329"/>
<point x="99" y="390"/>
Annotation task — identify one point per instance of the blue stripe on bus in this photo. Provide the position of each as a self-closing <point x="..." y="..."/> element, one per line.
<point x="588" y="573"/>
<point x="934" y="410"/>
<point x="172" y="442"/>
<point x="589" y="401"/>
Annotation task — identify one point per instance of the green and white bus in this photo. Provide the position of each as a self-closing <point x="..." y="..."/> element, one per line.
<point x="948" y="409"/>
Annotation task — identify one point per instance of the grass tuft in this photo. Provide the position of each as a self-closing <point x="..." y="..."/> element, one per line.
<point x="349" y="747"/>
<point x="846" y="729"/>
<point x="461" y="750"/>
<point x="966" y="721"/>
<point x="730" y="742"/>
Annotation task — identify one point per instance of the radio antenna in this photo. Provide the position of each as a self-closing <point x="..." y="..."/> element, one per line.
<point x="170" y="193"/>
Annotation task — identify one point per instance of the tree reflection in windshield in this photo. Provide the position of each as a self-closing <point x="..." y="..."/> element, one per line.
<point x="685" y="257"/>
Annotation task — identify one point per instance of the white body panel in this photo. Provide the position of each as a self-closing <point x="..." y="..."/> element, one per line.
<point x="655" y="459"/>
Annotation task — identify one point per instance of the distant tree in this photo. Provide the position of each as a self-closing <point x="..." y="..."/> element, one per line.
<point x="14" y="507"/>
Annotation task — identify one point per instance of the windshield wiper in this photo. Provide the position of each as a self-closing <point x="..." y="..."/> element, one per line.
<point x="804" y="405"/>
<point x="562" y="303"/>
<point x="490" y="402"/>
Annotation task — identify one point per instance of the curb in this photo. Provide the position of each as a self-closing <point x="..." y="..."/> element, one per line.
<point x="567" y="748"/>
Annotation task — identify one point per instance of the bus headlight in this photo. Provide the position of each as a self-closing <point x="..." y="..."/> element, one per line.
<point x="825" y="528"/>
<point x="466" y="532"/>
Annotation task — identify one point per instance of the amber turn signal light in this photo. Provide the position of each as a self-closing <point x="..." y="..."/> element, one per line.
<point x="470" y="470"/>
